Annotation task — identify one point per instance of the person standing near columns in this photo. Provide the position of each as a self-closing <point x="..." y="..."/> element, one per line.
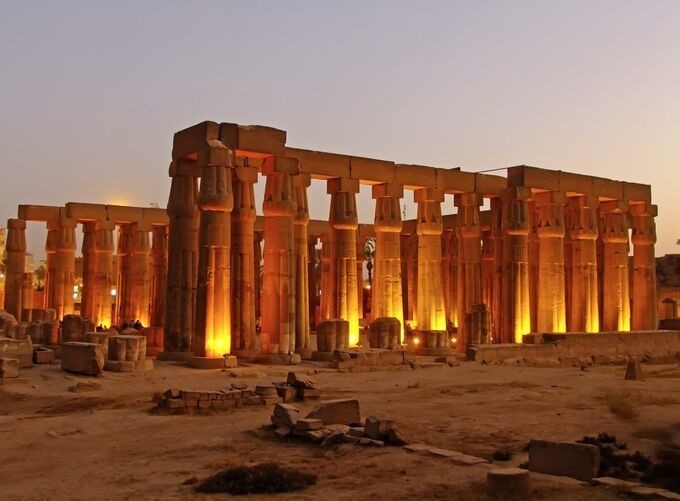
<point x="584" y="311"/>
<point x="104" y="274"/>
<point x="516" y="318"/>
<point x="551" y="316"/>
<point x="469" y="291"/>
<point x="243" y="271"/>
<point x="302" y="318"/>
<point x="644" y="267"/>
<point x="429" y="312"/>
<point x="15" y="247"/>
<point x="278" y="294"/>
<point x="616" y="285"/>
<point x="386" y="300"/>
<point x="212" y="337"/>
<point x="344" y="223"/>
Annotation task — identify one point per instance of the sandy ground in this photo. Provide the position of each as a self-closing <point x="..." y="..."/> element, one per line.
<point x="55" y="444"/>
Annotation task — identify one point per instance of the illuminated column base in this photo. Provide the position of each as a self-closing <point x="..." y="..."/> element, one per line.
<point x="584" y="311"/>
<point x="103" y="278"/>
<point x="616" y="285"/>
<point x="302" y="318"/>
<point x="16" y="266"/>
<point x="644" y="315"/>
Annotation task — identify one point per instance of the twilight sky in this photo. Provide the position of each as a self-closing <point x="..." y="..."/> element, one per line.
<point x="91" y="92"/>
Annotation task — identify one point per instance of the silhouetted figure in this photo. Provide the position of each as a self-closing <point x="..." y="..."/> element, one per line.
<point x="138" y="325"/>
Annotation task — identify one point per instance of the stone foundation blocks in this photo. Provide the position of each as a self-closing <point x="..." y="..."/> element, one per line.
<point x="567" y="459"/>
<point x="83" y="358"/>
<point x="332" y="334"/>
<point x="385" y="332"/>
<point x="9" y="368"/>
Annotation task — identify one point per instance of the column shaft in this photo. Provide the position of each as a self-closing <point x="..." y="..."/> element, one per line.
<point x="159" y="274"/>
<point x="104" y="274"/>
<point x="88" y="292"/>
<point x="644" y="268"/>
<point x="616" y="289"/>
<point x="497" y="288"/>
<point x="15" y="248"/>
<point x="62" y="245"/>
<point x="302" y="318"/>
<point x="584" y="310"/>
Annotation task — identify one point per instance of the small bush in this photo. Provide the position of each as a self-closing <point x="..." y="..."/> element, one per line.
<point x="265" y="478"/>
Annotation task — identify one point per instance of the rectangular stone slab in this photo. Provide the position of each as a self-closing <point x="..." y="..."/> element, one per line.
<point x="567" y="459"/>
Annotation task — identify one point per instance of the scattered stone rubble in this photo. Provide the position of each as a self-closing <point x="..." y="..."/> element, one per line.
<point x="333" y="422"/>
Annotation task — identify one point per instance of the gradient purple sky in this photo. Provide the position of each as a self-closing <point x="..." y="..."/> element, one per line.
<point x="91" y="92"/>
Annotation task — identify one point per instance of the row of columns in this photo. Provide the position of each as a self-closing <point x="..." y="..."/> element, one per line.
<point x="139" y="280"/>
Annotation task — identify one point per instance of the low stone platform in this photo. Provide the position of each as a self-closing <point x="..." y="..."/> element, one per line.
<point x="582" y="348"/>
<point x="212" y="362"/>
<point x="369" y="357"/>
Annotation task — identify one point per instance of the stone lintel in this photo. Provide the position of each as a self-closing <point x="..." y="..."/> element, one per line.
<point x="455" y="180"/>
<point x="637" y="192"/>
<point x="384" y="190"/>
<point x="609" y="206"/>
<point x="415" y="176"/>
<point x="369" y="169"/>
<point x="425" y="194"/>
<point x="188" y="142"/>
<point x="42" y="213"/>
<point x="468" y="199"/>
<point x="280" y="164"/>
<point x="319" y="164"/>
<point x="549" y="198"/>
<point x="516" y="193"/>
<point x="16" y="224"/>
<point x="85" y="212"/>
<point x="258" y="138"/>
<point x="342" y="184"/>
<point x="583" y="201"/>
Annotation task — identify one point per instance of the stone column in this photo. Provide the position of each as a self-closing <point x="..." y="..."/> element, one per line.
<point x="180" y="298"/>
<point x="412" y="275"/>
<point x="61" y="236"/>
<point x="533" y="250"/>
<point x="302" y="319"/>
<point x="469" y="290"/>
<point x="584" y="311"/>
<point x="27" y="297"/>
<point x="124" y="313"/>
<point x="488" y="255"/>
<point x="212" y="334"/>
<point x="497" y="288"/>
<point x="516" y="319"/>
<point x="429" y="311"/>
<point x="550" y="229"/>
<point x="386" y="291"/>
<point x="344" y="223"/>
<point x="259" y="275"/>
<point x="644" y="267"/>
<point x="16" y="266"/>
<point x="104" y="274"/>
<point x="313" y="282"/>
<point x="140" y="273"/>
<point x="278" y="295"/>
<point x="89" y="263"/>
<point x="243" y="271"/>
<point x="327" y="305"/>
<point x="568" y="263"/>
<point x="361" y="242"/>
<point x="449" y="243"/>
<point x="159" y="274"/>
<point x="616" y="289"/>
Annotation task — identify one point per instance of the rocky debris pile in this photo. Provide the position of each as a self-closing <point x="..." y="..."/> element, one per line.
<point x="297" y="387"/>
<point x="182" y="401"/>
<point x="334" y="422"/>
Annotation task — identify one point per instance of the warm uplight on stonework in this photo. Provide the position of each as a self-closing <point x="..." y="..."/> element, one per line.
<point x="218" y="344"/>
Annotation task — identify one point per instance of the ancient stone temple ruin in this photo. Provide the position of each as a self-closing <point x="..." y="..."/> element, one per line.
<point x="535" y="251"/>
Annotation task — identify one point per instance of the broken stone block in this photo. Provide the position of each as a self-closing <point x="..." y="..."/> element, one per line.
<point x="283" y="431"/>
<point x="265" y="390"/>
<point x="317" y="436"/>
<point x="43" y="355"/>
<point x="633" y="371"/>
<point x="172" y="393"/>
<point x="300" y="381"/>
<point x="567" y="459"/>
<point x="101" y="338"/>
<point x="335" y="438"/>
<point x="385" y="333"/>
<point x="341" y="411"/>
<point x="119" y="366"/>
<point x="84" y="358"/>
<point x="9" y="367"/>
<point x="308" y="393"/>
<point x="370" y="441"/>
<point x="305" y="424"/>
<point x="504" y="482"/>
<point x="357" y="431"/>
<point x="377" y="428"/>
<point x="287" y="393"/>
<point x="72" y="328"/>
<point x="287" y="413"/>
<point x="341" y="428"/>
<point x="396" y="437"/>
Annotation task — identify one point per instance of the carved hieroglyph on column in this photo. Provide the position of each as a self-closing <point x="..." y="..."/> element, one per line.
<point x="616" y="287"/>
<point x="487" y="268"/>
<point x="243" y="271"/>
<point x="449" y="284"/>
<point x="344" y="223"/>
<point x="16" y="266"/>
<point x="182" y="264"/>
<point x="313" y="281"/>
<point x="644" y="267"/>
<point x="533" y="250"/>
<point x="429" y="311"/>
<point x="89" y="270"/>
<point x="410" y="261"/>
<point x="104" y="274"/>
<point x="516" y="320"/>
<point x="302" y="318"/>
<point x="159" y="274"/>
<point x="361" y="254"/>
<point x="469" y="290"/>
<point x="257" y="266"/>
<point x="139" y="273"/>
<point x="61" y="261"/>
<point x="550" y="229"/>
<point x="326" y="300"/>
<point x="278" y="294"/>
<point x="386" y="300"/>
<point x="213" y="293"/>
<point x="584" y="291"/>
<point x="124" y="313"/>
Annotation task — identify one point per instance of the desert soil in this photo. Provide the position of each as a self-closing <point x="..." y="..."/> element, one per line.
<point x="106" y="444"/>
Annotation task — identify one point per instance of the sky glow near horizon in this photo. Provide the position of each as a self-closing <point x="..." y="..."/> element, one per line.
<point x="91" y="92"/>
